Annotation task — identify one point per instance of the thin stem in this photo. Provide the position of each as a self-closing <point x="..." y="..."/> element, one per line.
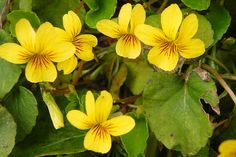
<point x="128" y="100"/>
<point x="58" y="90"/>
<point x="149" y="3"/>
<point x="222" y="95"/>
<point x="221" y="81"/>
<point x="218" y="62"/>
<point x="76" y="78"/>
<point x="162" y="7"/>
<point x="3" y="13"/>
<point x="81" y="4"/>
<point x="229" y="77"/>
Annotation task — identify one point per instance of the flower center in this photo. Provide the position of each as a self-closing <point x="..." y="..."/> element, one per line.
<point x="232" y="154"/>
<point x="168" y="48"/>
<point x="40" y="61"/>
<point x="77" y="43"/>
<point x="130" y="38"/>
<point x="100" y="131"/>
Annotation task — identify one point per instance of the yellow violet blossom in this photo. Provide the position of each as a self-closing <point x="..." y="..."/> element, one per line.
<point x="128" y="45"/>
<point x="83" y="43"/>
<point x="38" y="49"/>
<point x="98" y="138"/>
<point x="175" y="38"/>
<point x="227" y="149"/>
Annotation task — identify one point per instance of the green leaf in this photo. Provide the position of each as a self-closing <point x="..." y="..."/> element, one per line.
<point x="92" y="4"/>
<point x="77" y="100"/>
<point x="16" y="15"/>
<point x="104" y="10"/>
<point x="2" y="3"/>
<point x="202" y="153"/>
<point x="22" y="104"/>
<point x="4" y="37"/>
<point x="45" y="140"/>
<point x="25" y="5"/>
<point x="154" y="20"/>
<point x="205" y="32"/>
<point x="139" y="73"/>
<point x="54" y="10"/>
<point x="197" y="4"/>
<point x="7" y="132"/>
<point x="10" y="74"/>
<point x="220" y="20"/>
<point x="174" y="111"/>
<point x="135" y="141"/>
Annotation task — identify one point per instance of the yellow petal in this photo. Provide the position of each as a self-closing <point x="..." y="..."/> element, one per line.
<point x="149" y="35"/>
<point x="191" y="48"/>
<point x="84" y="51"/>
<point x="138" y="16"/>
<point x="163" y="59"/>
<point x="103" y="106"/>
<point x="90" y="105"/>
<point x="87" y="39"/>
<point x="128" y="46"/>
<point x="72" y="24"/>
<point x="98" y="140"/>
<point x="40" y="69"/>
<point x="68" y="66"/>
<point x="14" y="53"/>
<point x="109" y="28"/>
<point x="188" y="27"/>
<point x="79" y="120"/>
<point x="171" y="19"/>
<point x="124" y="17"/>
<point x="62" y="35"/>
<point x="119" y="125"/>
<point x="45" y="38"/>
<point x="25" y="34"/>
<point x="228" y="146"/>
<point x="62" y="51"/>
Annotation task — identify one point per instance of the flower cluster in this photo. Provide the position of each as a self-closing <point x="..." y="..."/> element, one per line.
<point x="41" y="49"/>
<point x="51" y="44"/>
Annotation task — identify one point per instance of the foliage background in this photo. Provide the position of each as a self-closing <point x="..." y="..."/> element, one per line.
<point x="189" y="113"/>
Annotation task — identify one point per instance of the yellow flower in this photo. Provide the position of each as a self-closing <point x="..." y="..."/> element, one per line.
<point x="38" y="49"/>
<point x="83" y="43"/>
<point x="227" y="149"/>
<point x="128" y="44"/>
<point x="98" y="138"/>
<point x="166" y="45"/>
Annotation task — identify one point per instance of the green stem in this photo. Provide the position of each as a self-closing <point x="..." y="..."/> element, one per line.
<point x="128" y="100"/>
<point x="221" y="81"/>
<point x="3" y="13"/>
<point x="222" y="95"/>
<point x="149" y="3"/>
<point x="229" y="77"/>
<point x="163" y="6"/>
<point x="218" y="62"/>
<point x="81" y="5"/>
<point x="76" y="78"/>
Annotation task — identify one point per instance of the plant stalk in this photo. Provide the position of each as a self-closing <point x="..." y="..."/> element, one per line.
<point x="221" y="81"/>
